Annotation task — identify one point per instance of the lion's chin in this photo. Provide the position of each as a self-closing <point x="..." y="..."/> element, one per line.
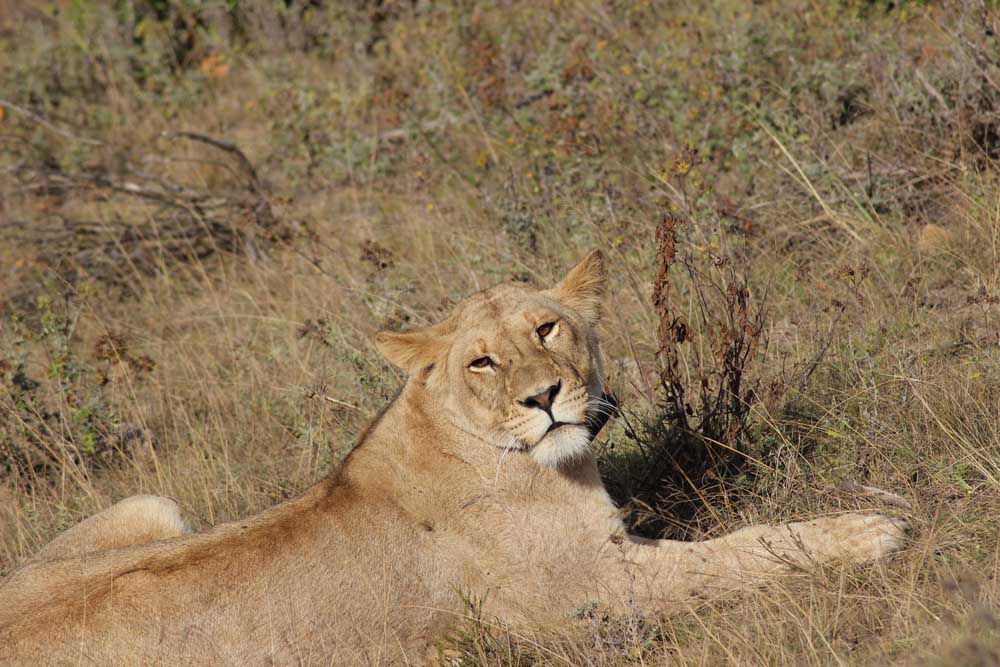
<point x="562" y="446"/>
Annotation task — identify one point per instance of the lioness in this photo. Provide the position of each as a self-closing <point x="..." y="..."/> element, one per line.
<point x="477" y="479"/>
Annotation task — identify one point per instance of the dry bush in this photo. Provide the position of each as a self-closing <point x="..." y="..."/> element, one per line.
<point x="115" y="226"/>
<point x="688" y="452"/>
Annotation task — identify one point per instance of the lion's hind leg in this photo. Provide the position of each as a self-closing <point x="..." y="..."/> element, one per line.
<point x="135" y="520"/>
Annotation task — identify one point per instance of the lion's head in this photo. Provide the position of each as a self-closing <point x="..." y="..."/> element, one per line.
<point x="516" y="367"/>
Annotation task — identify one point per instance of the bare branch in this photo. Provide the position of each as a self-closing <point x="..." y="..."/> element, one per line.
<point x="34" y="117"/>
<point x="230" y="148"/>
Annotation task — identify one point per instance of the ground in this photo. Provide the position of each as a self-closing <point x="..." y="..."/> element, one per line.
<point x="207" y="210"/>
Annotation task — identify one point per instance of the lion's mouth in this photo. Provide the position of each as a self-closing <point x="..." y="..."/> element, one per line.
<point x="554" y="426"/>
<point x="593" y="422"/>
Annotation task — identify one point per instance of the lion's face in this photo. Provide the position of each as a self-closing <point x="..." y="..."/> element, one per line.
<point x="516" y="367"/>
<point x="522" y="373"/>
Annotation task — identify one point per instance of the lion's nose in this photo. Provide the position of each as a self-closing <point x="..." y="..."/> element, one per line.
<point x="544" y="399"/>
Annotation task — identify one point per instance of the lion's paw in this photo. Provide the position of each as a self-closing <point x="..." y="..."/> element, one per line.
<point x="854" y="536"/>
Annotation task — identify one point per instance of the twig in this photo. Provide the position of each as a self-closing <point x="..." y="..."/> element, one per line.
<point x="821" y="353"/>
<point x="534" y="97"/>
<point x="889" y="498"/>
<point x="402" y="133"/>
<point x="931" y="90"/>
<point x="30" y="115"/>
<point x="233" y="149"/>
<point x="329" y="399"/>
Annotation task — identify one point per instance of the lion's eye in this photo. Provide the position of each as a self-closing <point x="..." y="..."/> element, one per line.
<point x="545" y="330"/>
<point x="481" y="363"/>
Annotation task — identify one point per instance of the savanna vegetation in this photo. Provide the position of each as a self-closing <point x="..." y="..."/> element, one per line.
<point x="208" y="208"/>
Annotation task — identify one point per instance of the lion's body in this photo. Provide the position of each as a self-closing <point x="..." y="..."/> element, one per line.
<point x="370" y="566"/>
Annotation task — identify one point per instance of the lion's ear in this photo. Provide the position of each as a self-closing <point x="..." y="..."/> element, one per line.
<point x="414" y="351"/>
<point x="584" y="286"/>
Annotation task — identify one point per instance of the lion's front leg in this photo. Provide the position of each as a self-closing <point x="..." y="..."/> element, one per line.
<point x="665" y="573"/>
<point x="851" y="537"/>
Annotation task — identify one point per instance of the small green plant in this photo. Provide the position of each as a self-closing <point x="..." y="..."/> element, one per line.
<point x="63" y="420"/>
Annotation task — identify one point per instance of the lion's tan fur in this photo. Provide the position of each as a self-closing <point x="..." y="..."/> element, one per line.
<point x="458" y="488"/>
<point x="135" y="520"/>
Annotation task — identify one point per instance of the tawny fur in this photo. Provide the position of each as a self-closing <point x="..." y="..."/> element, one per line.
<point x="461" y="487"/>
<point x="135" y="520"/>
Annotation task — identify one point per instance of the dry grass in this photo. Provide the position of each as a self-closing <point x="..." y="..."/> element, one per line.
<point x="842" y="156"/>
